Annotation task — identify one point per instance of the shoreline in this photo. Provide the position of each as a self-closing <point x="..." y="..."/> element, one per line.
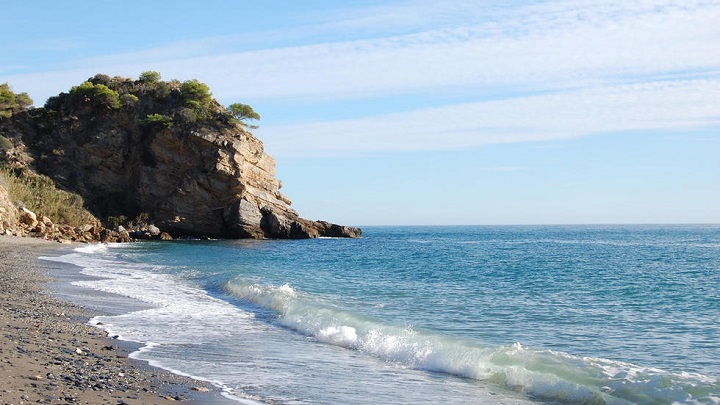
<point x="49" y="354"/>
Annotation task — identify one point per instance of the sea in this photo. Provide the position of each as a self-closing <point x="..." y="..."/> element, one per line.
<point x="423" y="314"/>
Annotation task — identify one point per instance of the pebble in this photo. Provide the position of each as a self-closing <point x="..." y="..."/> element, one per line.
<point x="77" y="362"/>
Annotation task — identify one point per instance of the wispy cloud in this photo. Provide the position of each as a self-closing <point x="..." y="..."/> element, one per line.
<point x="659" y="106"/>
<point x="546" y="45"/>
<point x="573" y="68"/>
<point x="565" y="51"/>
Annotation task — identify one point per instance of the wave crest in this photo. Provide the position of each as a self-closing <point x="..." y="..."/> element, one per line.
<point x="543" y="374"/>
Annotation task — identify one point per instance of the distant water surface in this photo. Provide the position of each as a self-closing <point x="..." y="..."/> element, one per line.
<point x="466" y="315"/>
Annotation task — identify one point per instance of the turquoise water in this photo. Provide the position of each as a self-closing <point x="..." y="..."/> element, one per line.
<point x="541" y="314"/>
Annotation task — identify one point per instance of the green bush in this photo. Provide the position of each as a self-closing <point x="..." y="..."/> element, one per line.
<point x="162" y="90"/>
<point x="157" y="119"/>
<point x="194" y="90"/>
<point x="242" y="112"/>
<point x="11" y="102"/>
<point x="198" y="97"/>
<point x="98" y="94"/>
<point x="129" y="100"/>
<point x="117" y="221"/>
<point x="149" y="77"/>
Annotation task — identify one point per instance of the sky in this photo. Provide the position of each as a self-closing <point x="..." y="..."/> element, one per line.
<point x="419" y="112"/>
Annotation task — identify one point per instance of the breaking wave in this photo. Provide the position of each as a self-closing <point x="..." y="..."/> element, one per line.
<point x="542" y="374"/>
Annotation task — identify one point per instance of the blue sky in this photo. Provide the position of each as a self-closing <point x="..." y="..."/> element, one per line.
<point x="428" y="112"/>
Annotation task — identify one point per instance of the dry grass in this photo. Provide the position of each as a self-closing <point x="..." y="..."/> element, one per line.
<point x="39" y="194"/>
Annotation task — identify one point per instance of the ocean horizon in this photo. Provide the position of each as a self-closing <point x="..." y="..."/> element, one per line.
<point x="516" y="314"/>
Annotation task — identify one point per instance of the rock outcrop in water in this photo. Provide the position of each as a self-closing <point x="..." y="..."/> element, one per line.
<point x="165" y="149"/>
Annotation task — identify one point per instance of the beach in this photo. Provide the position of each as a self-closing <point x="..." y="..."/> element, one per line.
<point x="424" y="315"/>
<point x="49" y="355"/>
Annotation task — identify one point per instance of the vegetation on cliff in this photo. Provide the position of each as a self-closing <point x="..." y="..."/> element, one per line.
<point x="11" y="103"/>
<point x="150" y="100"/>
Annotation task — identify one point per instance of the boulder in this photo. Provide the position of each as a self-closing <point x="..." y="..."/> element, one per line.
<point x="338" y="231"/>
<point x="28" y="217"/>
<point x="277" y="225"/>
<point x="46" y="221"/>
<point x="40" y="228"/>
<point x="153" y="230"/>
<point x="124" y="236"/>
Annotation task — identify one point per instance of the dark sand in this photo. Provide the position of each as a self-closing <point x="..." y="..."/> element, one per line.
<point x="49" y="355"/>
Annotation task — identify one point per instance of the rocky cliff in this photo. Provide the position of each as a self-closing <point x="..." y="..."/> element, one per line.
<point x="164" y="149"/>
<point x="8" y="212"/>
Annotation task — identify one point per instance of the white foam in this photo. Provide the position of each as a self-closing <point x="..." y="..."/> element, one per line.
<point x="92" y="248"/>
<point x="545" y="374"/>
<point x="184" y="314"/>
<point x="340" y="336"/>
<point x="181" y="313"/>
<point x="226" y="391"/>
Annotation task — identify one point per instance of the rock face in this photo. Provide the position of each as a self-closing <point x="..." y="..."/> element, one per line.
<point x="8" y="212"/>
<point x="209" y="178"/>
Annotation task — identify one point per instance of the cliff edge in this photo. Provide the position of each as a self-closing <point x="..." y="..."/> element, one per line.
<point x="165" y="150"/>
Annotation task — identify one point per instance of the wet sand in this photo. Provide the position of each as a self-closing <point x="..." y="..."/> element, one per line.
<point x="49" y="355"/>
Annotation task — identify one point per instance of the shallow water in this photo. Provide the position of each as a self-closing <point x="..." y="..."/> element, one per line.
<point x="591" y="314"/>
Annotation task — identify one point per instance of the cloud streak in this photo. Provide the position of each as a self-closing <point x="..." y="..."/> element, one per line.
<point x="557" y="44"/>
<point x="674" y="105"/>
<point x="537" y="55"/>
<point x="565" y="69"/>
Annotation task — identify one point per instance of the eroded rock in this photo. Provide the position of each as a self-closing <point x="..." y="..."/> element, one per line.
<point x="203" y="178"/>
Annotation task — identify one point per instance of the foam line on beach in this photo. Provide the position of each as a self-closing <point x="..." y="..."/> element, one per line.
<point x="166" y="297"/>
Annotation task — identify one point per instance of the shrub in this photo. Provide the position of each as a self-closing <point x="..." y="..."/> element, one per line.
<point x="101" y="79"/>
<point x="117" y="221"/>
<point x="149" y="77"/>
<point x="98" y="94"/>
<point x="23" y="100"/>
<point x="141" y="220"/>
<point x="196" y="91"/>
<point x="129" y="100"/>
<point x="161" y="90"/>
<point x="243" y="112"/>
<point x="197" y="96"/>
<point x="10" y="102"/>
<point x="55" y="102"/>
<point x="157" y="119"/>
